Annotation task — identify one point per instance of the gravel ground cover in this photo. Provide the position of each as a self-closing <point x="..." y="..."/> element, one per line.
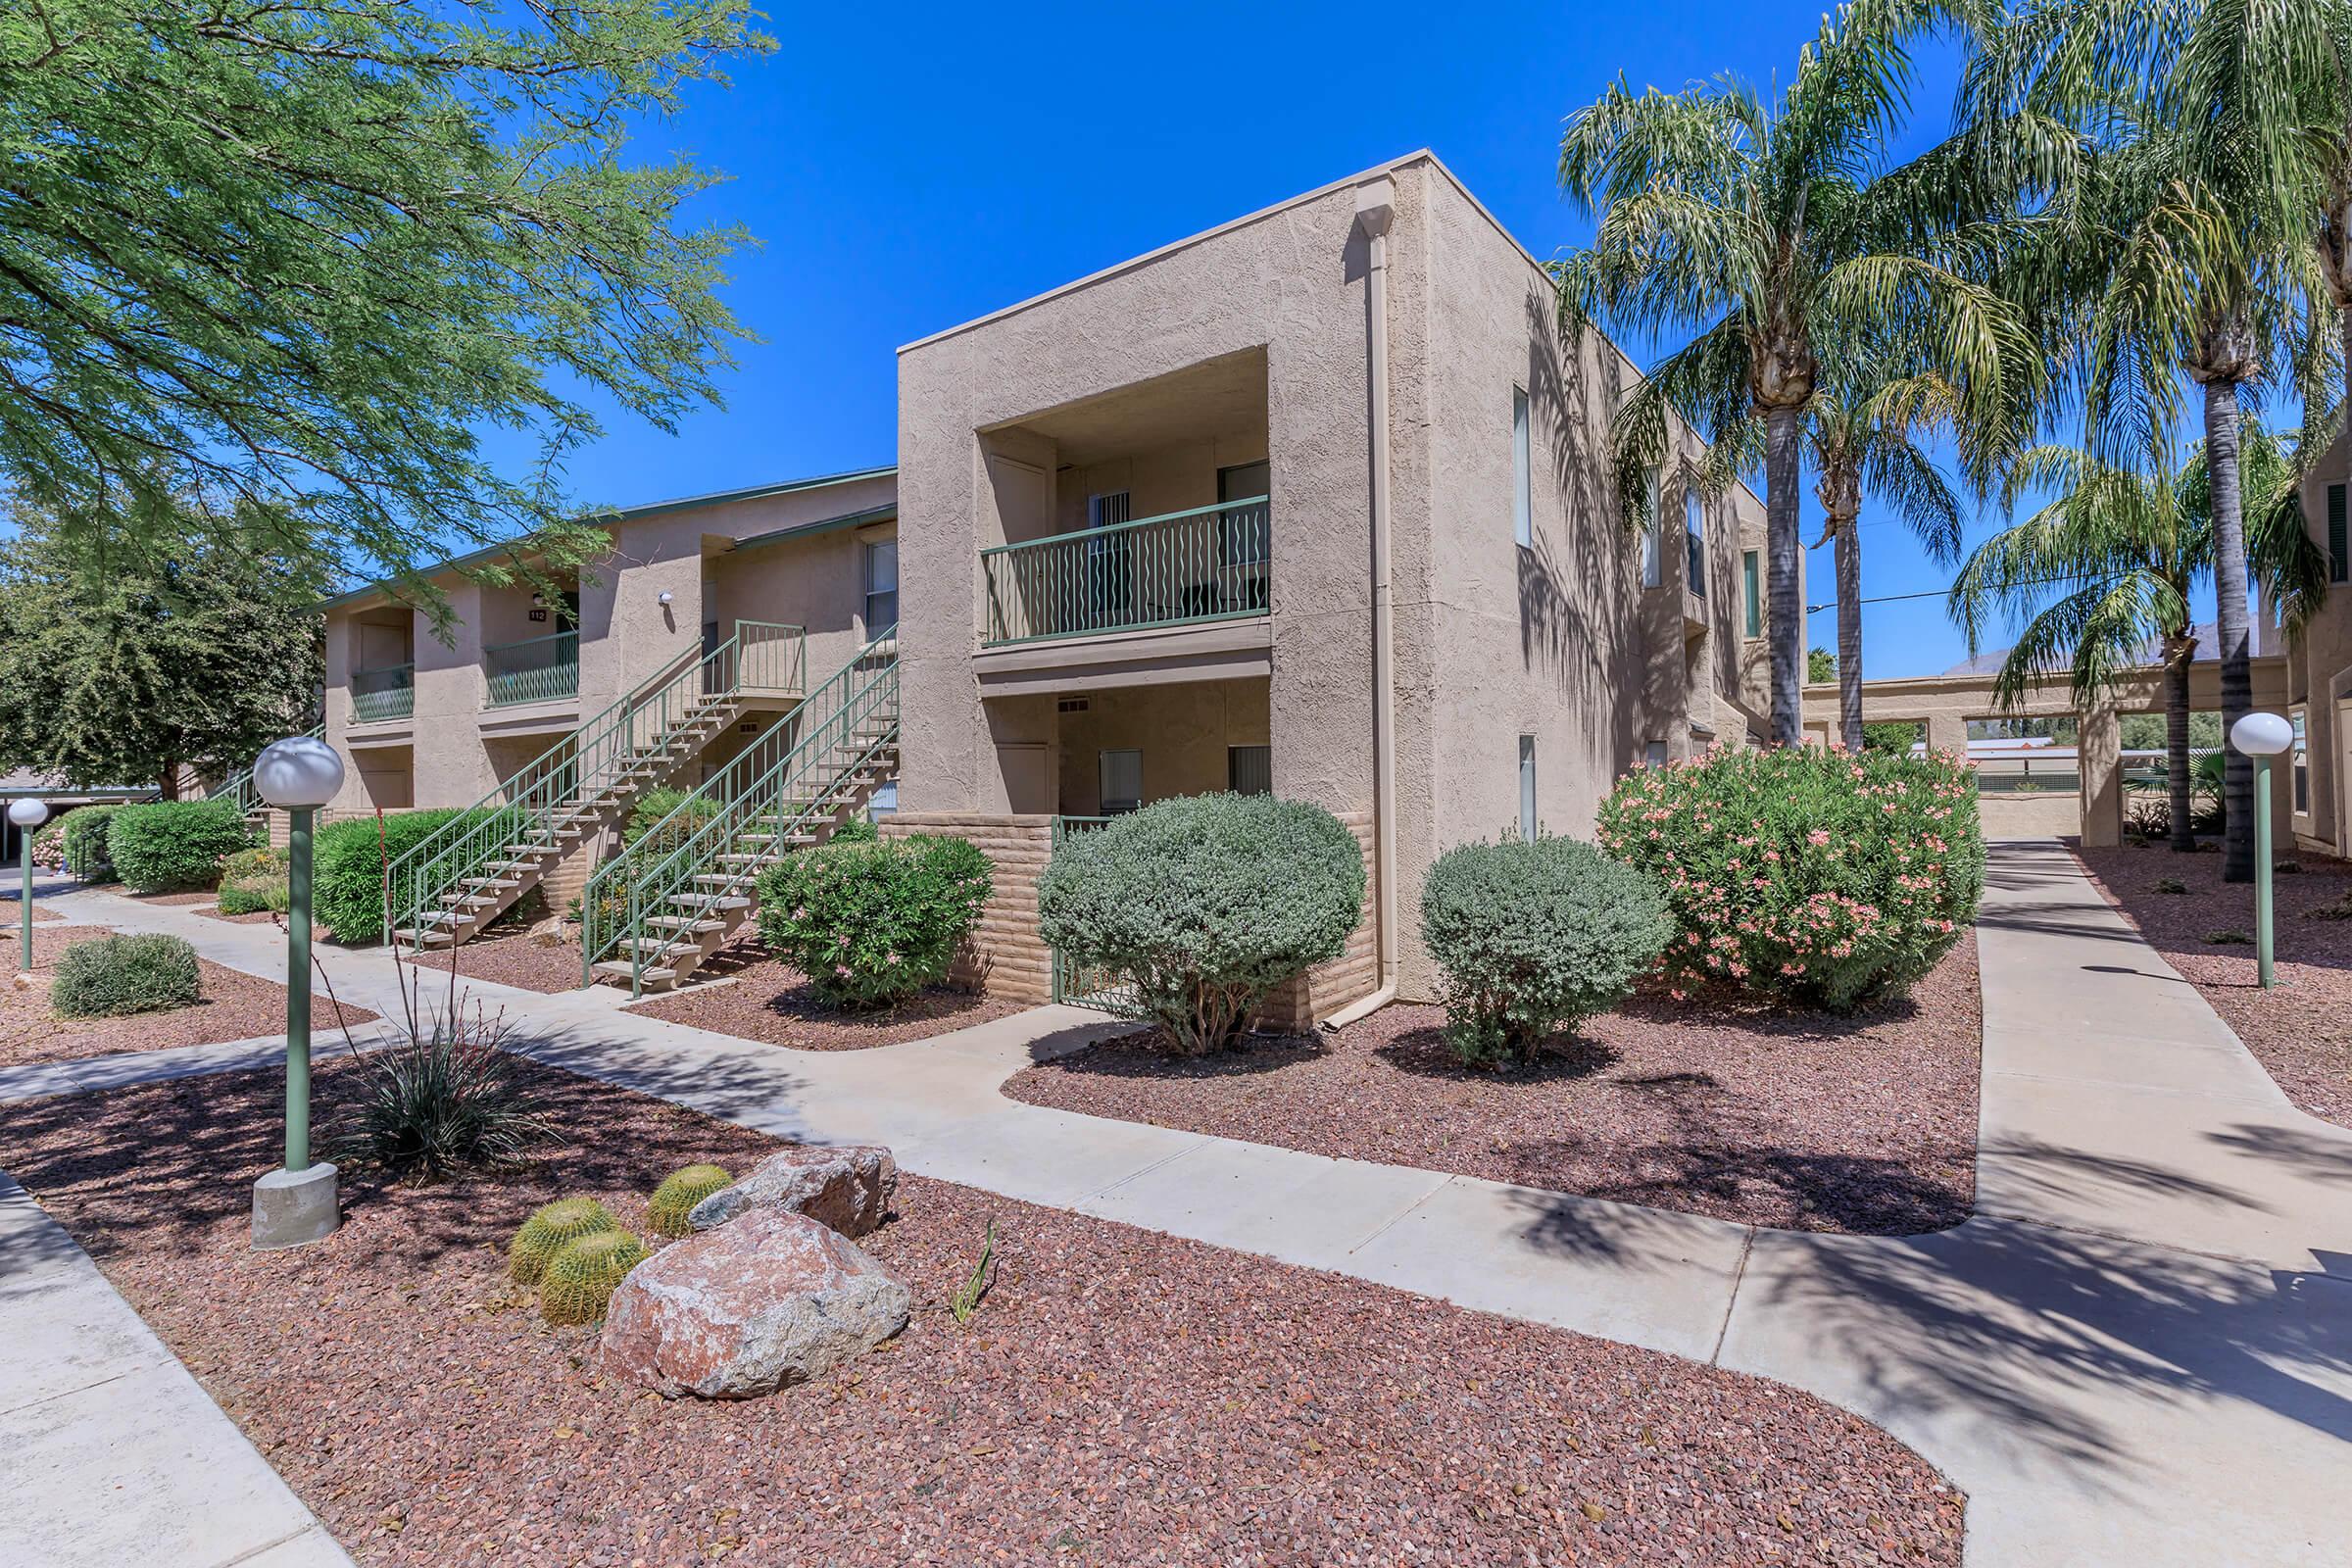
<point x="235" y="1006"/>
<point x="511" y="958"/>
<point x="1120" y="1398"/>
<point x="11" y="914"/>
<point x="770" y="1000"/>
<point x="2300" y="1029"/>
<point x="1865" y="1124"/>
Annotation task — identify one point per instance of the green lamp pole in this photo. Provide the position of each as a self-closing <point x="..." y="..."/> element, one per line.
<point x="2262" y="736"/>
<point x="297" y="1203"/>
<point x="27" y="815"/>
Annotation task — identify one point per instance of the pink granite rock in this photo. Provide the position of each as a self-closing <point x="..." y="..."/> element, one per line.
<point x="770" y="1299"/>
<point x="848" y="1187"/>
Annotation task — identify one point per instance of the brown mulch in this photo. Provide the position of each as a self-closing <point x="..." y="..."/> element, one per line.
<point x="2301" y="1029"/>
<point x="235" y="1006"/>
<point x="1865" y="1124"/>
<point x="770" y="1000"/>
<point x="510" y="957"/>
<point x="11" y="914"/>
<point x="1121" y="1399"/>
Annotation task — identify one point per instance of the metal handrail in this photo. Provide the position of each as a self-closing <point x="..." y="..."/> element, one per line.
<point x="639" y="883"/>
<point x="586" y="762"/>
<point x="1178" y="568"/>
<point x="536" y="669"/>
<point x="374" y="698"/>
<point x="238" y="786"/>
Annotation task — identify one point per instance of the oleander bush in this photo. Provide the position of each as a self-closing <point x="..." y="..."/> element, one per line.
<point x="49" y="843"/>
<point x="347" y="882"/>
<point x="667" y="1212"/>
<point x="1825" y="878"/>
<point x="85" y="847"/>
<point x="169" y="844"/>
<point x="116" y="976"/>
<point x="1534" y="938"/>
<point x="1203" y="905"/>
<point x="872" y="923"/>
<point x="444" y="1099"/>
<point x="549" y="1228"/>
<point x="858" y="829"/>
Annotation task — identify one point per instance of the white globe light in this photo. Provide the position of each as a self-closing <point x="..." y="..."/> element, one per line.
<point x="2262" y="735"/>
<point x="28" y="813"/>
<point x="298" y="771"/>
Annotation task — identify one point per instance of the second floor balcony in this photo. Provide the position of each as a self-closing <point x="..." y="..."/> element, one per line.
<point x="377" y="695"/>
<point x="1180" y="569"/>
<point x="537" y="669"/>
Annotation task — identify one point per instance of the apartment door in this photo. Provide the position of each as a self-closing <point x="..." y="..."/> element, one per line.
<point x="1244" y="536"/>
<point x="1107" y="556"/>
<point x="1122" y="782"/>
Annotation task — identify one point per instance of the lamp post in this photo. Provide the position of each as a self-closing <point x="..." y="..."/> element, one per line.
<point x="2262" y="736"/>
<point x="27" y="815"/>
<point x="297" y="1203"/>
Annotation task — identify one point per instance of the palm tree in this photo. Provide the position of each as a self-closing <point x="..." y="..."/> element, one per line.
<point x="1767" y="230"/>
<point x="2099" y="576"/>
<point x="2175" y="245"/>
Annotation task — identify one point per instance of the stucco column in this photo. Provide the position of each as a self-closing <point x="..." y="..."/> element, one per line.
<point x="1947" y="732"/>
<point x="2098" y="748"/>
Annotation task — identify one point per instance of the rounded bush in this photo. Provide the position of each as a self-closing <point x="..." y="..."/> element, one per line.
<point x="583" y="1274"/>
<point x="115" y="976"/>
<point x="674" y="1200"/>
<point x="549" y="1228"/>
<point x="347" y="866"/>
<point x="85" y="836"/>
<point x="1828" y="878"/>
<point x="1205" y="904"/>
<point x="1534" y="938"/>
<point x="872" y="923"/>
<point x="167" y="845"/>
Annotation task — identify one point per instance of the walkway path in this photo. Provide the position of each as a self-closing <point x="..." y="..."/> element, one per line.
<point x="2138" y="1354"/>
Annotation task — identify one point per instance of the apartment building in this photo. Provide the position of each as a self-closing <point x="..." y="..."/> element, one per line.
<point x="2318" y="779"/>
<point x="1317" y="503"/>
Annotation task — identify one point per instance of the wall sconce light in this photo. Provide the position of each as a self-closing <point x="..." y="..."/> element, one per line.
<point x="663" y="598"/>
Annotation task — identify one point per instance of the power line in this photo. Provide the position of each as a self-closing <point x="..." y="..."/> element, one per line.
<point x="1931" y="593"/>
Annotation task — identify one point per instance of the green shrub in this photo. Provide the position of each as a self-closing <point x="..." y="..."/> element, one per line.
<point x="167" y="845"/>
<point x="583" y="1276"/>
<point x="674" y="1200"/>
<point x="872" y="923"/>
<point x="258" y="864"/>
<point x="86" y="859"/>
<point x="273" y="896"/>
<point x="858" y="829"/>
<point x="347" y="887"/>
<point x="654" y="812"/>
<point x="549" y="1228"/>
<point x="1827" y="879"/>
<point x="444" y="1101"/>
<point x="1533" y="939"/>
<point x="1205" y="904"/>
<point x="118" y="976"/>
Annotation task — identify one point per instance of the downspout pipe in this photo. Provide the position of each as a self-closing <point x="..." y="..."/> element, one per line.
<point x="1375" y="209"/>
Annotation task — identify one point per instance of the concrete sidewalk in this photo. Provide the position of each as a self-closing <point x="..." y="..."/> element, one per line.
<point x="2138" y="1354"/>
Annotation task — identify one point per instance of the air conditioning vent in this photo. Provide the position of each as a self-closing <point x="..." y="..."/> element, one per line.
<point x="1073" y="705"/>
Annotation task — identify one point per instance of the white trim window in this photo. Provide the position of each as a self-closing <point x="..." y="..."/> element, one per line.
<point x="881" y="585"/>
<point x="1653" y="548"/>
<point x="1527" y="788"/>
<point x="1523" y="474"/>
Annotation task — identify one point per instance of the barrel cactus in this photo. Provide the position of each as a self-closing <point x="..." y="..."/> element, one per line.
<point x="674" y="1200"/>
<point x="584" y="1273"/>
<point x="564" y="1220"/>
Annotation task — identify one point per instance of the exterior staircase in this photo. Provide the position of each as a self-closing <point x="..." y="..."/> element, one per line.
<point x="239" y="789"/>
<point x="470" y="870"/>
<point x="688" y="887"/>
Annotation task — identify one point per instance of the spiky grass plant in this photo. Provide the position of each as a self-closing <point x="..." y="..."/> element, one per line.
<point x="444" y="1099"/>
<point x="674" y="1200"/>
<point x="549" y="1230"/>
<point x="583" y="1274"/>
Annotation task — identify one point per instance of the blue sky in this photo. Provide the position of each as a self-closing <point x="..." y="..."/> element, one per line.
<point x="907" y="169"/>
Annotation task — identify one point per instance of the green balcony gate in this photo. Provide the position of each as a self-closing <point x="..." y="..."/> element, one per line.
<point x="537" y="669"/>
<point x="1180" y="569"/>
<point x="381" y="694"/>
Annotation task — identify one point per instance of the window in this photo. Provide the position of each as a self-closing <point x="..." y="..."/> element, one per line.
<point x="1654" y="563"/>
<point x="1695" y="533"/>
<point x="2299" y="756"/>
<point x="881" y="585"/>
<point x="1249" y="769"/>
<point x="1527" y="788"/>
<point x="1653" y="755"/>
<point x="1752" y="593"/>
<point x="1523" y="474"/>
<point x="2339" y="549"/>
<point x="1122" y="780"/>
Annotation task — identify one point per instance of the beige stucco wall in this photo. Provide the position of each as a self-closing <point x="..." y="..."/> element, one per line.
<point x="1184" y="732"/>
<point x="2320" y="678"/>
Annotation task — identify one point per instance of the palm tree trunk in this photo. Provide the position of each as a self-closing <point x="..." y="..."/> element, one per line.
<point x="2177" y="785"/>
<point x="2230" y="592"/>
<point x="1850" y="633"/>
<point x="1788" y="629"/>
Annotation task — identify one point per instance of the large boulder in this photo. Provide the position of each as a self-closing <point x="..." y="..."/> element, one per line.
<point x="770" y="1299"/>
<point x="848" y="1187"/>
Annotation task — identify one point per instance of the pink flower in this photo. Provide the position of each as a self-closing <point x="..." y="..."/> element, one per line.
<point x="1819" y="836"/>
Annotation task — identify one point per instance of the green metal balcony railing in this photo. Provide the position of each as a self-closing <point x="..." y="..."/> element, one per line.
<point x="238" y="786"/>
<point x="588" y="763"/>
<point x="381" y="694"/>
<point x="1176" y="569"/>
<point x="537" y="669"/>
<point x="713" y="844"/>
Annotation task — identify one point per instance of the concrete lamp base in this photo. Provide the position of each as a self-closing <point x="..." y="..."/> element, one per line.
<point x="292" y="1207"/>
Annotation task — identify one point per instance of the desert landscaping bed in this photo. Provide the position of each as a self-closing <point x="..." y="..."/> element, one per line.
<point x="235" y="1006"/>
<point x="1864" y="1124"/>
<point x="2301" y="1030"/>
<point x="769" y="1001"/>
<point x="1120" y="1398"/>
<point x="12" y="911"/>
<point x="510" y="957"/>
